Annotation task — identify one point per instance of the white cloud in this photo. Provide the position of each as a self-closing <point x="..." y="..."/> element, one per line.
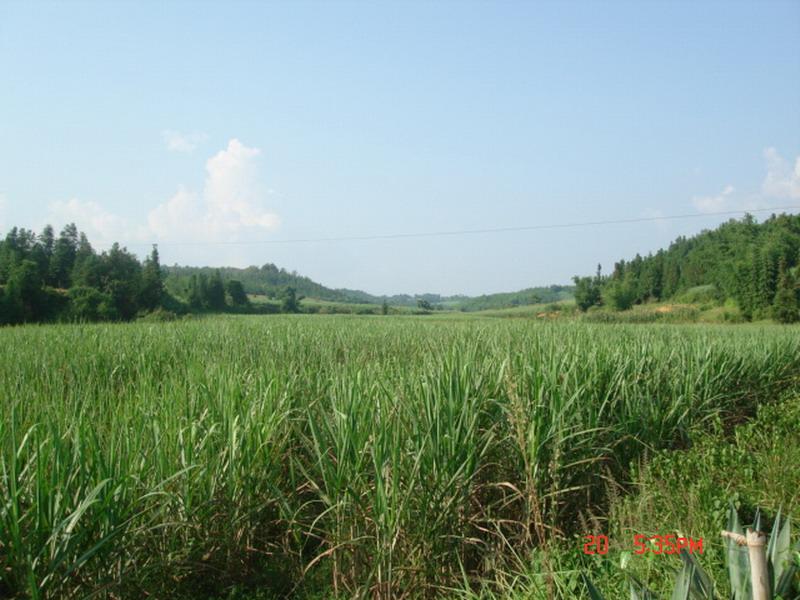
<point x="231" y="202"/>
<point x="718" y="203"/>
<point x="781" y="181"/>
<point x="230" y="207"/>
<point x="182" y="142"/>
<point x="101" y="226"/>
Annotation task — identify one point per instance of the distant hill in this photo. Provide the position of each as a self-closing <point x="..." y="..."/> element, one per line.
<point x="270" y="280"/>
<point x="535" y="295"/>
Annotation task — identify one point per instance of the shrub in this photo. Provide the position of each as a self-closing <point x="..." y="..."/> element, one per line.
<point x="619" y="295"/>
<point x="158" y="315"/>
<point x="90" y="304"/>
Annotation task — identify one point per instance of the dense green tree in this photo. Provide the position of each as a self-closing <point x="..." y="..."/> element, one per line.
<point x="740" y="259"/>
<point x="236" y="291"/>
<point x="63" y="258"/>
<point x="121" y="279"/>
<point x="786" y="308"/>
<point x="291" y="303"/>
<point x="588" y="290"/>
<point x="152" y="290"/>
<point x="90" y="304"/>
<point x="619" y="295"/>
<point x="194" y="293"/>
<point x="24" y="294"/>
<point x="215" y="292"/>
<point x="43" y="253"/>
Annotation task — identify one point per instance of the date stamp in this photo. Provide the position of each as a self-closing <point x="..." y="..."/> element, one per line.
<point x="644" y="544"/>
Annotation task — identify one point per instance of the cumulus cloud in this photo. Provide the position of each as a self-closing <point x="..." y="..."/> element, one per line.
<point x="718" y="203"/>
<point x="229" y="207"/>
<point x="182" y="142"/>
<point x="781" y="181"/>
<point x="230" y="204"/>
<point x="101" y="226"/>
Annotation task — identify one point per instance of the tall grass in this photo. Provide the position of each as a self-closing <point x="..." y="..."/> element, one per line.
<point x="380" y="457"/>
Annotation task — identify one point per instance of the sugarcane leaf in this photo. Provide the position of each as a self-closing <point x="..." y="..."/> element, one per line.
<point x="639" y="591"/>
<point x="593" y="593"/>
<point x="784" y="585"/>
<point x="779" y="547"/>
<point x="758" y="524"/>
<point x="683" y="583"/>
<point x="738" y="562"/>
<point x="700" y="584"/>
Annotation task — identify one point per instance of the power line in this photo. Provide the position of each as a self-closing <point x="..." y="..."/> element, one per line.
<point x="456" y="232"/>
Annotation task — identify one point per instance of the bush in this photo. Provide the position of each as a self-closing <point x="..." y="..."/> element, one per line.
<point x="90" y="304"/>
<point x="619" y="295"/>
<point x="700" y="294"/>
<point x="158" y="315"/>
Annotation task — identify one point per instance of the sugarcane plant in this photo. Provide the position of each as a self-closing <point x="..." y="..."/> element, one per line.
<point x="757" y="569"/>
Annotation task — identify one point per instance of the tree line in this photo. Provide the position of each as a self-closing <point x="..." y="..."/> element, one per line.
<point x="755" y="265"/>
<point x="44" y="277"/>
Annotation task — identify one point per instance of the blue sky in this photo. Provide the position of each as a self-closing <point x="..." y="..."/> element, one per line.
<point x="192" y="124"/>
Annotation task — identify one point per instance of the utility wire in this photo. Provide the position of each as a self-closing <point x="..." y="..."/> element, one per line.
<point x="456" y="232"/>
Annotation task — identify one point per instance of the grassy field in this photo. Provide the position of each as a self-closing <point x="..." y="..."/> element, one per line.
<point x="319" y="456"/>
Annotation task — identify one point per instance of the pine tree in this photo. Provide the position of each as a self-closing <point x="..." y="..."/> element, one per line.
<point x="63" y="259"/>
<point x="152" y="290"/>
<point x="194" y="293"/>
<point x="215" y="293"/>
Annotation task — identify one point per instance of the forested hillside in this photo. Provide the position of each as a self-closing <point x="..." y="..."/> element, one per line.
<point x="267" y="280"/>
<point x="752" y="264"/>
<point x="270" y="281"/>
<point x="49" y="278"/>
<point x="535" y="295"/>
<point x="44" y="277"/>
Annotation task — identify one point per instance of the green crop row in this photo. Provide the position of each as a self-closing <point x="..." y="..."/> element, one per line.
<point x="379" y="457"/>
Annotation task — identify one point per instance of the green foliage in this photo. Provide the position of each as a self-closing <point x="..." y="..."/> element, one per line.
<point x="151" y="294"/>
<point x="527" y="297"/>
<point x="588" y="291"/>
<point x="49" y="279"/>
<point x="23" y="292"/>
<point x="90" y="304"/>
<point x="290" y="303"/>
<point x="267" y="280"/>
<point x="741" y="260"/>
<point x="215" y="292"/>
<point x="343" y="456"/>
<point x="700" y="294"/>
<point x="237" y="294"/>
<point x="159" y="315"/>
<point x="786" y="308"/>
<point x="645" y="314"/>
<point x="619" y="295"/>
<point x="64" y="255"/>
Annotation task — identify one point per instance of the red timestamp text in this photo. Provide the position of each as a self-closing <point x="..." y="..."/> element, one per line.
<point x="644" y="544"/>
